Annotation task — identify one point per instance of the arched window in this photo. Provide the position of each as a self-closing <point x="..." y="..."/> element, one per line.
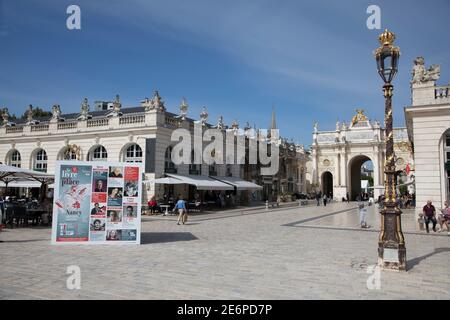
<point x="69" y="154"/>
<point x="98" y="153"/>
<point x="15" y="159"/>
<point x="133" y="153"/>
<point x="40" y="161"/>
<point x="169" y="166"/>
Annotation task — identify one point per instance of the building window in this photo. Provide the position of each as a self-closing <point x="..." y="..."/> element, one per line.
<point x="99" y="153"/>
<point x="40" y="161"/>
<point x="15" y="159"/>
<point x="212" y="170"/>
<point x="169" y="166"/>
<point x="133" y="154"/>
<point x="193" y="167"/>
<point x="229" y="171"/>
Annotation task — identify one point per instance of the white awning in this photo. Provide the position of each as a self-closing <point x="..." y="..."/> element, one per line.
<point x="239" y="183"/>
<point x="10" y="173"/>
<point x="22" y="184"/>
<point x="167" y="180"/>
<point x="202" y="182"/>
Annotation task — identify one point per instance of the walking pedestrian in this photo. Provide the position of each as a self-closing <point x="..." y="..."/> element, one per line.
<point x="318" y="199"/>
<point x="325" y="199"/>
<point x="362" y="215"/>
<point x="182" y="212"/>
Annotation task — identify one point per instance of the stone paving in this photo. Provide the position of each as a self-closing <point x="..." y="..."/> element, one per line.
<point x="287" y="253"/>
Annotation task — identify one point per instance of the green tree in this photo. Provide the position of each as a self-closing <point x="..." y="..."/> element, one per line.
<point x="37" y="113"/>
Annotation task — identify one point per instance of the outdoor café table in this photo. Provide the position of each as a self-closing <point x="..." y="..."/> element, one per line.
<point x="167" y="206"/>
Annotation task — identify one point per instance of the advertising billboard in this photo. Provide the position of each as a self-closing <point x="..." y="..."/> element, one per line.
<point x="97" y="202"/>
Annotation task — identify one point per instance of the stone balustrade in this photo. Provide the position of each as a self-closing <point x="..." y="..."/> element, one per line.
<point x="132" y="119"/>
<point x="39" y="127"/>
<point x="92" y="123"/>
<point x="67" y="125"/>
<point x="442" y="93"/>
<point x="138" y="120"/>
<point x="171" y="121"/>
<point x="12" y="130"/>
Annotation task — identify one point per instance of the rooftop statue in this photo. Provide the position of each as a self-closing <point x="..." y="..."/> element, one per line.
<point x="5" y="116"/>
<point x="84" y="112"/>
<point x="203" y="116"/>
<point x="56" y="112"/>
<point x="420" y="74"/>
<point x="30" y="114"/>
<point x="360" y="116"/>
<point x="157" y="102"/>
<point x="220" y="124"/>
<point x="117" y="104"/>
<point x="183" y="109"/>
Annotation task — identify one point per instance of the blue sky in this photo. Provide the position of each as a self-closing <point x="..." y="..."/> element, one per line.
<point x="312" y="60"/>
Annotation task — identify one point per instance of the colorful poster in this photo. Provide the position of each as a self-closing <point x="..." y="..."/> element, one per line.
<point x="97" y="202"/>
<point x="72" y="203"/>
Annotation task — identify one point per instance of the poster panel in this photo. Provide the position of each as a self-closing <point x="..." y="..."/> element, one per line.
<point x="97" y="203"/>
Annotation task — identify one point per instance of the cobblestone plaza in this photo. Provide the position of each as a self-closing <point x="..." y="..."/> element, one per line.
<point x="286" y="253"/>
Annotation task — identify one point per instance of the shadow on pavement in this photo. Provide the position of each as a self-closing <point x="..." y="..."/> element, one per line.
<point x="161" y="237"/>
<point x="414" y="262"/>
<point x="20" y="241"/>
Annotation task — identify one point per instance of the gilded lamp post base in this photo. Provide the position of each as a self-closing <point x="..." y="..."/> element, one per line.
<point x="391" y="246"/>
<point x="392" y="258"/>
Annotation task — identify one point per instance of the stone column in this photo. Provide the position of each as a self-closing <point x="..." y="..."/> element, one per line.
<point x="376" y="173"/>
<point x="337" y="165"/>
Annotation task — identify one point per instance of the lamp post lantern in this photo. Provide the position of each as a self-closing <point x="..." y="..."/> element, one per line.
<point x="391" y="243"/>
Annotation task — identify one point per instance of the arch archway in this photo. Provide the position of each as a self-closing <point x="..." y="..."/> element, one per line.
<point x="327" y="183"/>
<point x="354" y="169"/>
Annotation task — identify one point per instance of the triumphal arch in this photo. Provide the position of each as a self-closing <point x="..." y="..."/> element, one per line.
<point x="337" y="156"/>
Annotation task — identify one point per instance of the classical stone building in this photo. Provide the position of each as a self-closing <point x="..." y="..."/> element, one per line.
<point x="135" y="134"/>
<point x="428" y="123"/>
<point x="337" y="156"/>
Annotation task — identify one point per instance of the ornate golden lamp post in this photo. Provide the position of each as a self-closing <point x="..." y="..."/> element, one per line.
<point x="391" y="243"/>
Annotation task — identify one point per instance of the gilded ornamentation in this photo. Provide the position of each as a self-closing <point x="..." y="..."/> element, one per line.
<point x="403" y="146"/>
<point x="360" y="116"/>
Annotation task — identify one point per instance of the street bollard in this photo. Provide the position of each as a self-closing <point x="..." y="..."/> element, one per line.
<point x="267" y="204"/>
